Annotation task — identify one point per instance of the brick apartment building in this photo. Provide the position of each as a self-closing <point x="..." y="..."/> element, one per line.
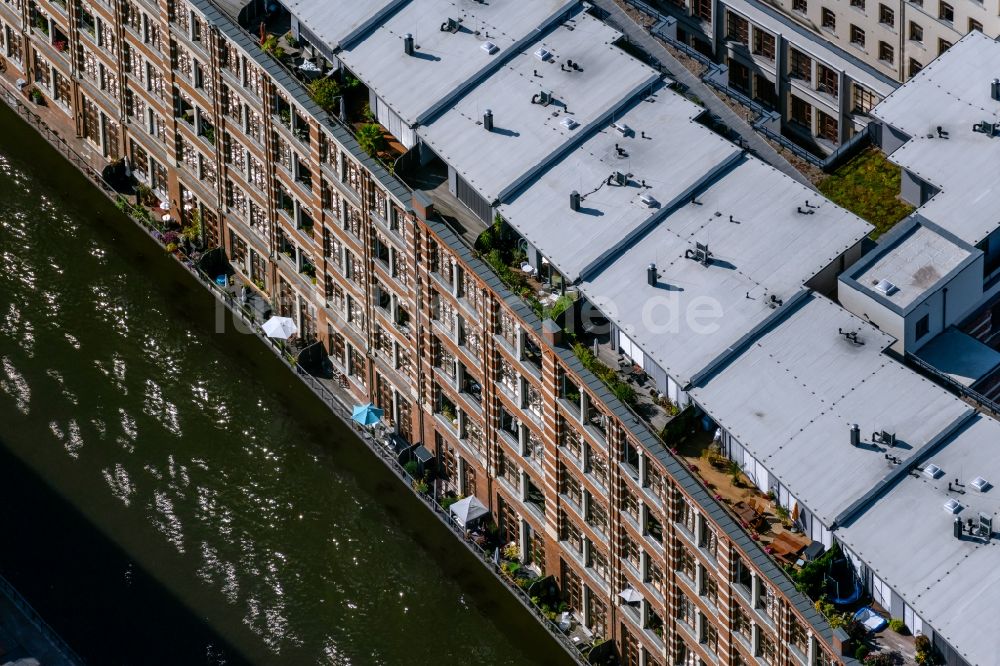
<point x="384" y="275"/>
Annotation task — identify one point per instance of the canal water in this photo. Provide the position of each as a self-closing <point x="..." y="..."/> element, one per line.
<point x="170" y="494"/>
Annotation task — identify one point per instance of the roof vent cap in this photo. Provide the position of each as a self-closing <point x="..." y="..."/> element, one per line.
<point x="543" y="54"/>
<point x="980" y="484"/>
<point x="953" y="506"/>
<point x="489" y="47"/>
<point x="932" y="471"/>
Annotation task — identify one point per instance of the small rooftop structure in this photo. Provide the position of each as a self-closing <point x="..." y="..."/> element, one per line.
<point x="911" y="264"/>
<point x="529" y="97"/>
<point x="450" y="52"/>
<point x="938" y="110"/>
<point x="760" y="252"/>
<point x="909" y="541"/>
<point x="819" y="380"/>
<point x="643" y="143"/>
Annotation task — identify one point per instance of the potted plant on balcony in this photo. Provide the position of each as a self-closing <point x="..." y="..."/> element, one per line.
<point x="60" y="45"/>
<point x="36" y="96"/>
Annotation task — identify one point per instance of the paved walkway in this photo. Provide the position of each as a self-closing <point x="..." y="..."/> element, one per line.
<point x="757" y="145"/>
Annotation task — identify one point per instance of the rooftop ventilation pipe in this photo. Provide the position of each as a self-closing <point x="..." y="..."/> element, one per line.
<point x="651" y="275"/>
<point x="574" y="200"/>
<point x="855" y="435"/>
<point x="488" y="120"/>
<point x="995" y="89"/>
<point x="408" y="44"/>
<point x="957" y="527"/>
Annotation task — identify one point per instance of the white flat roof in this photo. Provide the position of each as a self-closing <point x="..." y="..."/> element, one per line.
<point x="791" y="398"/>
<point x="335" y="21"/>
<point x="907" y="540"/>
<point x="953" y="93"/>
<point x="913" y="265"/>
<point x="766" y="249"/>
<point x="526" y="135"/>
<point x="443" y="61"/>
<point x="664" y="148"/>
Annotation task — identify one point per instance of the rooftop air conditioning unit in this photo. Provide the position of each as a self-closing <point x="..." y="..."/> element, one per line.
<point x="622" y="128"/>
<point x="886" y="287"/>
<point x="980" y="484"/>
<point x="543" y="54"/>
<point x="489" y="47"/>
<point x="932" y="471"/>
<point x="953" y="506"/>
<point x="620" y="178"/>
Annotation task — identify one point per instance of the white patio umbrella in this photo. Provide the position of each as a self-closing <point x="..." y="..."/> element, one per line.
<point x="468" y="509"/>
<point x="630" y="595"/>
<point x="281" y="328"/>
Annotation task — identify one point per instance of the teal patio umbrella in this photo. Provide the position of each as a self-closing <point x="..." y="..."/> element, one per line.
<point x="367" y="415"/>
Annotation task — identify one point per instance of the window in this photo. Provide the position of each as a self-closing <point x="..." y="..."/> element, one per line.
<point x="943" y="45"/>
<point x="885" y="52"/>
<point x="828" y="127"/>
<point x="914" y="67"/>
<point x="864" y="99"/>
<point x="739" y="76"/>
<point x="946" y="12"/>
<point x="923" y="326"/>
<point x="829" y="19"/>
<point x="737" y="28"/>
<point x="702" y="9"/>
<point x="916" y="32"/>
<point x="800" y="6"/>
<point x="800" y="66"/>
<point x="801" y="112"/>
<point x="975" y="25"/>
<point x="886" y="16"/>
<point x="858" y="4"/>
<point x="827" y="80"/>
<point x="857" y="36"/>
<point x="763" y="44"/>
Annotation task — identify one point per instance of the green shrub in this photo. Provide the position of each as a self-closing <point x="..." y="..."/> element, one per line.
<point x="412" y="468"/>
<point x="897" y="625"/>
<point x="325" y="93"/>
<point x="861" y="652"/>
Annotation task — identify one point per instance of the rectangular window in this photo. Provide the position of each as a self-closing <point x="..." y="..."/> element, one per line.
<point x="800" y="6"/>
<point x="858" y="4"/>
<point x="857" y="36"/>
<point x="916" y="32"/>
<point x="702" y="9"/>
<point x="763" y="44"/>
<point x="886" y="16"/>
<point x="946" y="12"/>
<point x="885" y="52"/>
<point x="864" y="99"/>
<point x="827" y="80"/>
<point x="923" y="326"/>
<point x="800" y="65"/>
<point x="975" y="25"/>
<point x="737" y="28"/>
<point x="829" y="19"/>
<point x="943" y="45"/>
<point x="801" y="112"/>
<point x="914" y="67"/>
<point x="828" y="127"/>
